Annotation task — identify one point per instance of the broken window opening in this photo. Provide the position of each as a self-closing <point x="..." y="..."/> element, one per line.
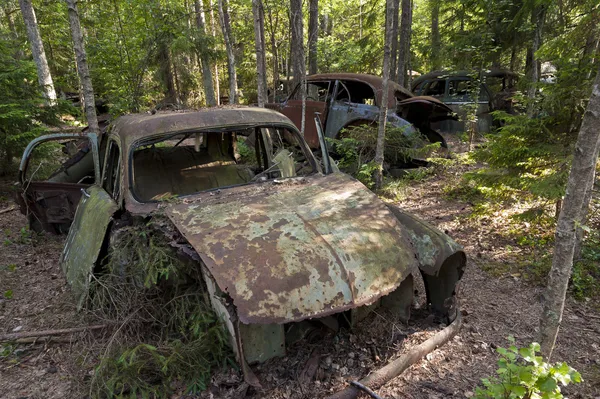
<point x="188" y="163"/>
<point x="61" y="161"/>
<point x="356" y="92"/>
<point x="112" y="170"/>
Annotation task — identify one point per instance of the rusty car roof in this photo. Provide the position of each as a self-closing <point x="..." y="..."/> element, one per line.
<point x="375" y="81"/>
<point x="133" y="127"/>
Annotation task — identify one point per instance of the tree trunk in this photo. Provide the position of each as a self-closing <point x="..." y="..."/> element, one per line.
<point x="383" y="108"/>
<point x="207" y="80"/>
<point x="580" y="178"/>
<point x="436" y="63"/>
<point x="274" y="50"/>
<point x="261" y="68"/>
<point x="231" y="72"/>
<point x="404" y="44"/>
<point x="313" y="35"/>
<point x="538" y="16"/>
<point x="83" y="71"/>
<point x="394" y="46"/>
<point x="213" y="31"/>
<point x="37" y="50"/>
<point x="297" y="44"/>
<point x="582" y="218"/>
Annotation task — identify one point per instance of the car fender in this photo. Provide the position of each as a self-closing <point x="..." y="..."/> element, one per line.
<point x="441" y="260"/>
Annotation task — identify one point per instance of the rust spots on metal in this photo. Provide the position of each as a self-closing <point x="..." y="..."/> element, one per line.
<point x="290" y="252"/>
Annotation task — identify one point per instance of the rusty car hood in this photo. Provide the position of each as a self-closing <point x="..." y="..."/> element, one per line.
<point x="300" y="249"/>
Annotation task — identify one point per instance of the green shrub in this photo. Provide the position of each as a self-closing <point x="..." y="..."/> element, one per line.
<point x="524" y="374"/>
<point x="169" y="336"/>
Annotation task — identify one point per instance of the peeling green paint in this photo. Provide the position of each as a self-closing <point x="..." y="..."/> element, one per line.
<point x="85" y="239"/>
<point x="299" y="252"/>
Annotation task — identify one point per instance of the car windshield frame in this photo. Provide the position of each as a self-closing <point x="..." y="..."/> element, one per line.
<point x="153" y="139"/>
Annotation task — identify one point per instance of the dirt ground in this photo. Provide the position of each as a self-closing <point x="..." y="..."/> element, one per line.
<point x="35" y="296"/>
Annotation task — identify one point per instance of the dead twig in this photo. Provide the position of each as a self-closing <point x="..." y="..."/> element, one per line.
<point x="12" y="208"/>
<point x="379" y="377"/>
<point x="45" y="333"/>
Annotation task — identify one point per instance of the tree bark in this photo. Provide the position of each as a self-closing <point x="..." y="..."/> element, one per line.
<point x="213" y="31"/>
<point x="227" y="36"/>
<point x="274" y="50"/>
<point x="297" y="44"/>
<point x="37" y="50"/>
<point x="394" y="46"/>
<point x="207" y="80"/>
<point x="436" y="63"/>
<point x="261" y="67"/>
<point x="383" y="107"/>
<point x="83" y="71"/>
<point x="404" y="43"/>
<point x="580" y="178"/>
<point x="313" y="35"/>
<point x="538" y="16"/>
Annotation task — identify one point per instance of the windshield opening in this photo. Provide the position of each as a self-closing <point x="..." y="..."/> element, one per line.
<point x="187" y="163"/>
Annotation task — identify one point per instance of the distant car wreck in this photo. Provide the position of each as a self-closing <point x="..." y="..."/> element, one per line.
<point x="281" y="242"/>
<point x="457" y="90"/>
<point x="347" y="99"/>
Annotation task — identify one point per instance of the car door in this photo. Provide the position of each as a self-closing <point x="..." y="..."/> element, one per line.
<point x="318" y="95"/>
<point x="353" y="103"/>
<point x="92" y="219"/>
<point x="53" y="171"/>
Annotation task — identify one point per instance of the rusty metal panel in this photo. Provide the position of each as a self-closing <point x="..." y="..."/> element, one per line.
<point x="85" y="239"/>
<point x="431" y="245"/>
<point x="296" y="251"/>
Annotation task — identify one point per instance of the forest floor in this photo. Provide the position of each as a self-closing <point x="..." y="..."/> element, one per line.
<point x="496" y="298"/>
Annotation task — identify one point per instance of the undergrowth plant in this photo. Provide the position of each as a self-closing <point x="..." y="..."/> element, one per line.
<point x="355" y="149"/>
<point x="169" y="339"/>
<point x="522" y="374"/>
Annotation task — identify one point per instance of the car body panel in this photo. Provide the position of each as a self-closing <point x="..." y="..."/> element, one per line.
<point x="85" y="239"/>
<point x="318" y="247"/>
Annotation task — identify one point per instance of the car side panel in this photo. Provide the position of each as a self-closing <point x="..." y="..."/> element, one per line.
<point x="86" y="235"/>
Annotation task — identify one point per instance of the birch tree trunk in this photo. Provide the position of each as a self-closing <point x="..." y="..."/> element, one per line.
<point x="394" y="45"/>
<point x="313" y="35"/>
<point x="404" y="42"/>
<point x="580" y="178"/>
<point x="37" y="50"/>
<point x="383" y="109"/>
<point x="435" y="35"/>
<point x="228" y="37"/>
<point x="87" y="90"/>
<point x="259" y="43"/>
<point x="207" y="80"/>
<point x="297" y="44"/>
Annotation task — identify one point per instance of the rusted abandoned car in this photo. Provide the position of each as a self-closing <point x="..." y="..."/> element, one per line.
<point x="279" y="239"/>
<point x="347" y="99"/>
<point x="457" y="90"/>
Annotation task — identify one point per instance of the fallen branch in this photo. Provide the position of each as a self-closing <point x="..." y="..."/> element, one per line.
<point x="392" y="370"/>
<point x="43" y="340"/>
<point x="12" y="208"/>
<point x="45" y="333"/>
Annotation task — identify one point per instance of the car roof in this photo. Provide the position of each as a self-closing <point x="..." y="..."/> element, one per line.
<point x="131" y="128"/>
<point x="494" y="72"/>
<point x="375" y="81"/>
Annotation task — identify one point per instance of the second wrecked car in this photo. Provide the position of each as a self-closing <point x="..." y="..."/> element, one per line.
<point x="279" y="240"/>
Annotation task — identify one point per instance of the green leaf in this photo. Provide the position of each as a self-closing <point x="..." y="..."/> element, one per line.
<point x="8" y="294"/>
